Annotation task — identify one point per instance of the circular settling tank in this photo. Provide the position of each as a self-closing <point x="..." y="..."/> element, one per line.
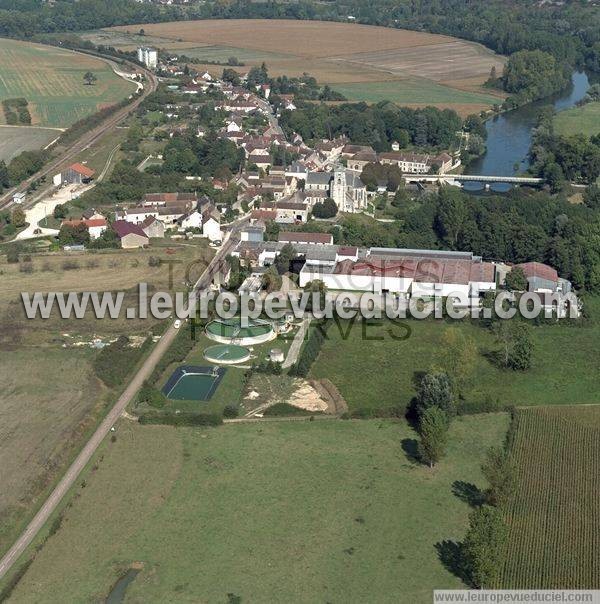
<point x="226" y="354"/>
<point x="231" y="331"/>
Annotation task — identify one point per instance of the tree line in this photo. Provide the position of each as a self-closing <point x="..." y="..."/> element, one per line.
<point x="376" y="125"/>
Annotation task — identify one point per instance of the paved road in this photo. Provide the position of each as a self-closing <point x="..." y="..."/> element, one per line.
<point x="87" y="139"/>
<point x="296" y="345"/>
<point x="69" y="479"/>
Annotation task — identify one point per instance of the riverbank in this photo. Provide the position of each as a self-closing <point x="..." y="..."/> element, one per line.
<point x="509" y="133"/>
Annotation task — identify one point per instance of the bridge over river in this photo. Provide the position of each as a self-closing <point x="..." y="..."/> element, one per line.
<point x="457" y="179"/>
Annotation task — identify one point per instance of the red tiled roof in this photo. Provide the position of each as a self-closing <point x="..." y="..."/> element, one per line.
<point x="537" y="269"/>
<point x="83" y="170"/>
<point x="422" y="270"/>
<point x="263" y="215"/>
<point x="95" y="222"/>
<point x="346" y="250"/>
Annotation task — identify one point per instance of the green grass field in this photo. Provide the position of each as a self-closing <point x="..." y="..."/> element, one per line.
<point x="579" y="120"/>
<point x="411" y="91"/>
<point x="323" y="511"/>
<point x="553" y="518"/>
<point x="15" y="139"/>
<point x="222" y="53"/>
<point x="51" y="79"/>
<point x="379" y="372"/>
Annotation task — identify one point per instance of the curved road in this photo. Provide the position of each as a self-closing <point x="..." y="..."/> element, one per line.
<point x="68" y="480"/>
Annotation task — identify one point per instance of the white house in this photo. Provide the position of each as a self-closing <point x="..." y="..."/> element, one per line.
<point x="211" y="224"/>
<point x="192" y="220"/>
<point x="95" y="226"/>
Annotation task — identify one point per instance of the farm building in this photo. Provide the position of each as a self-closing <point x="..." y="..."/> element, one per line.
<point x="131" y="235"/>
<point x="252" y="233"/>
<point x="309" y="238"/>
<point x="76" y="174"/>
<point x="542" y="278"/>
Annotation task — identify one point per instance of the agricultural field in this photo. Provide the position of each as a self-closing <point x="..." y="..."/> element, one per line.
<point x="579" y="120"/>
<point x="16" y="139"/>
<point x="44" y="413"/>
<point x="365" y="62"/>
<point x="322" y="511"/>
<point x="374" y="370"/>
<point x="51" y="79"/>
<point x="553" y="518"/>
<point x="51" y="397"/>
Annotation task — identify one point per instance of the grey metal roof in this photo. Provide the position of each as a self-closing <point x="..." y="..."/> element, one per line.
<point x="391" y="252"/>
<point x="318" y="178"/>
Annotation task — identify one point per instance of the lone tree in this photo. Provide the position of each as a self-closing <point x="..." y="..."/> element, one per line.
<point x="483" y="546"/>
<point x="89" y="78"/>
<point x="434" y="435"/>
<point x="284" y="258"/>
<point x="435" y="390"/>
<point x="500" y="471"/>
<point x="516" y="346"/>
<point x="459" y="355"/>
<point x="516" y="280"/>
<point x="18" y="217"/>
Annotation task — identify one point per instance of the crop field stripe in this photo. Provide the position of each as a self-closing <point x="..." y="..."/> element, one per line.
<point x="553" y="535"/>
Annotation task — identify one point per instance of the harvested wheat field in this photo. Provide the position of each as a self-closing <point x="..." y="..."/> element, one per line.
<point x="417" y="68"/>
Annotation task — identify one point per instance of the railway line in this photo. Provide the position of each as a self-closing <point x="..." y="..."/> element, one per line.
<point x="87" y="139"/>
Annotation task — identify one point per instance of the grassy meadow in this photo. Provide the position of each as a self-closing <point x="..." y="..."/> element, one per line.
<point x="579" y="120"/>
<point x="51" y="79"/>
<point x="374" y="371"/>
<point x="15" y="139"/>
<point x="50" y="395"/>
<point x="323" y="511"/>
<point x="414" y="91"/>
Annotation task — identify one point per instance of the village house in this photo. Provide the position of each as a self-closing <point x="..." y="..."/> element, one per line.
<point x="95" y="226"/>
<point x="130" y="235"/>
<point x="188" y="200"/>
<point x="288" y="211"/>
<point x="358" y="161"/>
<point x="416" y="163"/>
<point x="211" y="223"/>
<point x="154" y="228"/>
<point x="193" y="220"/>
<point x="260" y="161"/>
<point x="349" y="150"/>
<point x="262" y="215"/>
<point x="91" y="214"/>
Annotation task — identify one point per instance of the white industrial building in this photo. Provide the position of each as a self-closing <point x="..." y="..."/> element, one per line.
<point x="148" y="56"/>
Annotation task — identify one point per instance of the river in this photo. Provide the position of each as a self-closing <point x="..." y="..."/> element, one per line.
<point x="509" y="135"/>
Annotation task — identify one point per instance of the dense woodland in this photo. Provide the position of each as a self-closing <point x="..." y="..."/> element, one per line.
<point x="377" y="125"/>
<point x="558" y="158"/>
